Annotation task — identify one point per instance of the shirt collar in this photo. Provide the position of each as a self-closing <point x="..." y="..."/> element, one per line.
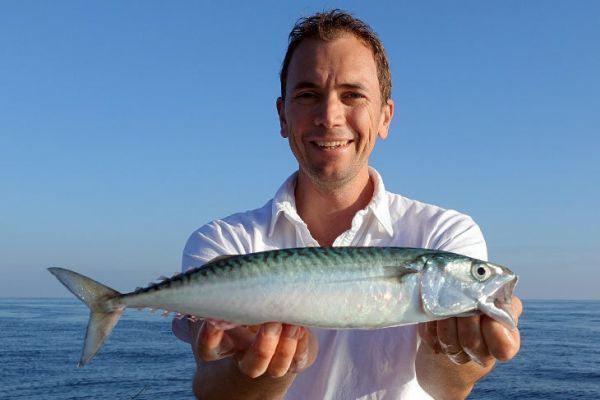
<point x="284" y="201"/>
<point x="379" y="203"/>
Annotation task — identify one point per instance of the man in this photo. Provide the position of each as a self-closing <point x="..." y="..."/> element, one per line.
<point x="335" y="103"/>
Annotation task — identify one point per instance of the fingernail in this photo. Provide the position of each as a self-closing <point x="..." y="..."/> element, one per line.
<point x="272" y="329"/>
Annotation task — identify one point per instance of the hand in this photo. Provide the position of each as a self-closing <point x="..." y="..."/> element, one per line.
<point x="271" y="349"/>
<point x="476" y="338"/>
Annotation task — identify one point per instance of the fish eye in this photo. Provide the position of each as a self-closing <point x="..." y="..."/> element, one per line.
<point x="480" y="271"/>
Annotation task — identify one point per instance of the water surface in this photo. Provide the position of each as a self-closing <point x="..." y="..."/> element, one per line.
<point x="41" y="342"/>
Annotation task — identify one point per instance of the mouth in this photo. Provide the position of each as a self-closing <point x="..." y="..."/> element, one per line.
<point x="331" y="144"/>
<point x="503" y="295"/>
<point x="497" y="305"/>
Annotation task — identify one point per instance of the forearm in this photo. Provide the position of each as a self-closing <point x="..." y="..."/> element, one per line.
<point x="443" y="379"/>
<point x="223" y="380"/>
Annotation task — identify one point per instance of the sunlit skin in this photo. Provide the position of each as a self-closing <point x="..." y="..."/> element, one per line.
<point x="483" y="341"/>
<point x="332" y="116"/>
<point x="333" y="112"/>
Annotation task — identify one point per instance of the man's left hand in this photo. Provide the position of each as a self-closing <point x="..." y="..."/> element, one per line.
<point x="478" y="338"/>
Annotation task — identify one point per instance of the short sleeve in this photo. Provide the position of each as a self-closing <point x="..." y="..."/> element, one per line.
<point x="214" y="239"/>
<point x="462" y="235"/>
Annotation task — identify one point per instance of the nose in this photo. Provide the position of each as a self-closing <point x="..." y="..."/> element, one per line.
<point x="329" y="112"/>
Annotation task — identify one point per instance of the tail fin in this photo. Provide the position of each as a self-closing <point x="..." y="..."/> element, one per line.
<point x="103" y="317"/>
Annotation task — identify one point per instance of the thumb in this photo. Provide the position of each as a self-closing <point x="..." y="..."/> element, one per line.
<point x="181" y="329"/>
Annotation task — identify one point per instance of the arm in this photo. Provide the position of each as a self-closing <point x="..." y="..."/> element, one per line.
<point x="457" y="352"/>
<point x="247" y="362"/>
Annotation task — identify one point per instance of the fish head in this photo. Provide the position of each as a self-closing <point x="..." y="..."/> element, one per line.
<point x="453" y="285"/>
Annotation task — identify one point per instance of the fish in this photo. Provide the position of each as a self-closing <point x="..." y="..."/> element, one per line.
<point x="324" y="287"/>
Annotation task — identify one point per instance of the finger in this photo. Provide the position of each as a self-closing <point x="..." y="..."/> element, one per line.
<point x="471" y="339"/>
<point x="181" y="329"/>
<point x="300" y="359"/>
<point x="503" y="343"/>
<point x="286" y="349"/>
<point x="447" y="334"/>
<point x="256" y="359"/>
<point x="423" y="334"/>
<point x="428" y="334"/>
<point x="516" y="307"/>
<point x="211" y="343"/>
<point x="242" y="337"/>
<point x="432" y="332"/>
<point x="253" y="328"/>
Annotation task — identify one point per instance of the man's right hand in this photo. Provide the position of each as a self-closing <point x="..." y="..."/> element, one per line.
<point x="247" y="362"/>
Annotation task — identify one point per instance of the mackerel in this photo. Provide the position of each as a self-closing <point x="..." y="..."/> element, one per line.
<point x="326" y="287"/>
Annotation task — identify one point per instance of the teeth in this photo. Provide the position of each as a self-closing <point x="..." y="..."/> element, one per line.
<point x="333" y="144"/>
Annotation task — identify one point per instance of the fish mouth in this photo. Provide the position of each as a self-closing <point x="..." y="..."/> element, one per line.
<point x="497" y="304"/>
<point x="503" y="296"/>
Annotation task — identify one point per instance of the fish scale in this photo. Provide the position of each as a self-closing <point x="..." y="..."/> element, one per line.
<point x="326" y="287"/>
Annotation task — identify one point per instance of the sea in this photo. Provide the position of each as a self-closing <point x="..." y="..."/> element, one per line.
<point x="40" y="343"/>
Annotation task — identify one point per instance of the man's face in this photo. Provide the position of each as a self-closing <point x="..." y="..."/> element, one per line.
<point x="333" y="112"/>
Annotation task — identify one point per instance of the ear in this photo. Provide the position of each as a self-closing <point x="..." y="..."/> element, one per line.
<point x="282" y="122"/>
<point x="387" y="112"/>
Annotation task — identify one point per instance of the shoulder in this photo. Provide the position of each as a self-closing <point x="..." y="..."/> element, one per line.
<point x="230" y="235"/>
<point x="426" y="215"/>
<point x="237" y="226"/>
<point x="431" y="226"/>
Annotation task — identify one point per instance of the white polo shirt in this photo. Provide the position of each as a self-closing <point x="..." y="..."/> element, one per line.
<point x="351" y="364"/>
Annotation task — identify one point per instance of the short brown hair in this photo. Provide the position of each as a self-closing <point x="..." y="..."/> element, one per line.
<point x="328" y="26"/>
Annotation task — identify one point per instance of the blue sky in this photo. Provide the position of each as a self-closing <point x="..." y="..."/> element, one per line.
<point x="125" y="126"/>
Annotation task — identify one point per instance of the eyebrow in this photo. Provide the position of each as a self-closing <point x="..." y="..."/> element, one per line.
<point x="305" y="85"/>
<point x="312" y="85"/>
<point x="352" y="85"/>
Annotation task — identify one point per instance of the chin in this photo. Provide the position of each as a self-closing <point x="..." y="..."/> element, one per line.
<point x="330" y="177"/>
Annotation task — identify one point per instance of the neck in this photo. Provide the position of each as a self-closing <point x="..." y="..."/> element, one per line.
<point x="328" y="211"/>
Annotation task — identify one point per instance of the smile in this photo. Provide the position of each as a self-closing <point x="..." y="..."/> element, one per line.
<point x="332" y="144"/>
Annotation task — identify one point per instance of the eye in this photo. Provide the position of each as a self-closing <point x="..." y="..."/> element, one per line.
<point x="306" y="97"/>
<point x="352" y="96"/>
<point x="480" y="271"/>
